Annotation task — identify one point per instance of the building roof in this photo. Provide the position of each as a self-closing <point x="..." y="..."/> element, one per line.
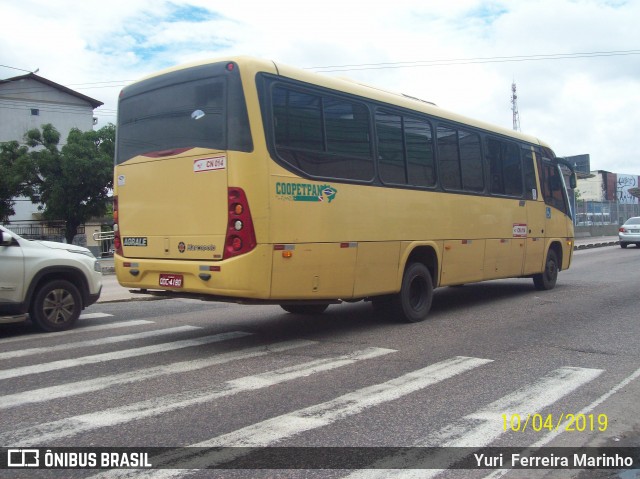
<point x="32" y="76"/>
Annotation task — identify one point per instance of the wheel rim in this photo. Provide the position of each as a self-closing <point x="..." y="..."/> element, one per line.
<point x="417" y="296"/>
<point x="59" y="306"/>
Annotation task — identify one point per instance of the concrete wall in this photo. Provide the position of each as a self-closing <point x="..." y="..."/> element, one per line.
<point x="594" y="231"/>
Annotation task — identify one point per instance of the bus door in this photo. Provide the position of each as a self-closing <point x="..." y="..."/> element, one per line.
<point x="505" y="249"/>
<point x="556" y="202"/>
<point x="536" y="217"/>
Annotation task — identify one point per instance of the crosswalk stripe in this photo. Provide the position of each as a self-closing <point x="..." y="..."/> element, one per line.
<point x="94" y="315"/>
<point x="96" y="342"/>
<point x="93" y="385"/>
<point x="480" y="428"/>
<point x="84" y="329"/>
<point x="43" y="433"/>
<point x="270" y="431"/>
<point x="115" y="355"/>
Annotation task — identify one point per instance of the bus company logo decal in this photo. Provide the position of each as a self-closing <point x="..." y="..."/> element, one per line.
<point x="210" y="164"/>
<point x="305" y="192"/>
<point x="182" y="247"/>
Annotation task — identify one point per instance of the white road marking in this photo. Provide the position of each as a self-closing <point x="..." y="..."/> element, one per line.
<point x="270" y="431"/>
<point x="84" y="329"/>
<point x="115" y="355"/>
<point x="95" y="342"/>
<point x="94" y="315"/>
<point x="480" y="428"/>
<point x="43" y="433"/>
<point x="98" y="384"/>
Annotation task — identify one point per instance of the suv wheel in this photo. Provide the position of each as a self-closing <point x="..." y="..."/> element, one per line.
<point x="56" y="306"/>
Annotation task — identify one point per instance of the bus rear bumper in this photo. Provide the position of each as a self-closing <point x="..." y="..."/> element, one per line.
<point x="247" y="276"/>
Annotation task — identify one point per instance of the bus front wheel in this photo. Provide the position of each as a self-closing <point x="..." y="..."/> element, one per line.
<point x="413" y="302"/>
<point x="547" y="279"/>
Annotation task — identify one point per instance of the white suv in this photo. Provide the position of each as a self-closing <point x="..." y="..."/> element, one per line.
<point x="52" y="282"/>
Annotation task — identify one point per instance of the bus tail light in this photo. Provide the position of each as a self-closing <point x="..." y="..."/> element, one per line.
<point x="241" y="236"/>
<point x="117" y="241"/>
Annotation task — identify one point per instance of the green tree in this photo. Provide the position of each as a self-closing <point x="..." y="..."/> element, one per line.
<point x="72" y="183"/>
<point x="15" y="177"/>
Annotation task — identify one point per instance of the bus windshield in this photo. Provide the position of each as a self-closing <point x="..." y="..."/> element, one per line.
<point x="182" y="110"/>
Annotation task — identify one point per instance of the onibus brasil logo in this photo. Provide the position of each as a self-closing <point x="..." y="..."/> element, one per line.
<point x="305" y="192"/>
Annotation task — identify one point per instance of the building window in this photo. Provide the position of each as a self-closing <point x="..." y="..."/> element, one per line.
<point x="35" y="112"/>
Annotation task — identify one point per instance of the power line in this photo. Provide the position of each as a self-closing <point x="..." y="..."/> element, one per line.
<point x="470" y="61"/>
<point x="19" y="69"/>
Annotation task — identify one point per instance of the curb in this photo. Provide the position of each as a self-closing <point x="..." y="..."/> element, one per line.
<point x="595" y="245"/>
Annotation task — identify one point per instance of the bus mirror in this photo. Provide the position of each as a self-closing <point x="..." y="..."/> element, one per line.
<point x="573" y="183"/>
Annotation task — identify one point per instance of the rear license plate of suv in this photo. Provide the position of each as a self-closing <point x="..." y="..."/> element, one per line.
<point x="171" y="280"/>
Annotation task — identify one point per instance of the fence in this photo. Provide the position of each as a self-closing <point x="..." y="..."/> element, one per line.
<point x="603" y="213"/>
<point x="37" y="230"/>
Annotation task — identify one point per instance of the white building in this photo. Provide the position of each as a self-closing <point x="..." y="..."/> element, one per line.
<point x="30" y="101"/>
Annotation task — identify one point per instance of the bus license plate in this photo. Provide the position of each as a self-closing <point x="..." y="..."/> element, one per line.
<point x="171" y="280"/>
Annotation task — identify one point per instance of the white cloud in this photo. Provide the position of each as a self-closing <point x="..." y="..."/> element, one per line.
<point x="580" y="105"/>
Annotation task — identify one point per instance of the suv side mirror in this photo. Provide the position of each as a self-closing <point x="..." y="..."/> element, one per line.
<point x="5" y="238"/>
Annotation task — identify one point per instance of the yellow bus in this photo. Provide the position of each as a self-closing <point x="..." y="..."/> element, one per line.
<point x="250" y="181"/>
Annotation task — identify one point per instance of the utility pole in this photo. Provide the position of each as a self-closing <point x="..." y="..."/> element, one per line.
<point x="514" y="107"/>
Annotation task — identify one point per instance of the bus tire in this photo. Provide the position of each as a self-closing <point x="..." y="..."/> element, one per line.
<point x="547" y="279"/>
<point x="304" y="308"/>
<point x="413" y="302"/>
<point x="56" y="306"/>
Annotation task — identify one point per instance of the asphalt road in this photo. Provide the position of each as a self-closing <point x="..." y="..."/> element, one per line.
<point x="178" y="372"/>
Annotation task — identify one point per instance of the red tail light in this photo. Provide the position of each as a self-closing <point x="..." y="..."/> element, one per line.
<point x="117" y="242"/>
<point x="622" y="230"/>
<point x="241" y="237"/>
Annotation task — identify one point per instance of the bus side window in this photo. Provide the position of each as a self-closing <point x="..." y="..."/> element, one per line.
<point x="552" y="186"/>
<point x="530" y="186"/>
<point x="405" y="150"/>
<point x="449" y="158"/>
<point x="322" y="135"/>
<point x="505" y="167"/>
<point x="460" y="159"/>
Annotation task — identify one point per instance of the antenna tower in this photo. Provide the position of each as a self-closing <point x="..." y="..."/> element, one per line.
<point x="514" y="107"/>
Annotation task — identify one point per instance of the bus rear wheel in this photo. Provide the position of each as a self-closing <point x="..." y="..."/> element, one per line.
<point x="547" y="279"/>
<point x="413" y="302"/>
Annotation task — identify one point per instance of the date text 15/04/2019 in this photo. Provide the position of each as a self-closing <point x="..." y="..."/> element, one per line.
<point x="549" y="422"/>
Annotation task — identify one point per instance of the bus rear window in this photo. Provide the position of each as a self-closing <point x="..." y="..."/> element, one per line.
<point x="183" y="109"/>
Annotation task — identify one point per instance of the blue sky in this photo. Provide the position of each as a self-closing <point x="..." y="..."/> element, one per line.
<point x="578" y="105"/>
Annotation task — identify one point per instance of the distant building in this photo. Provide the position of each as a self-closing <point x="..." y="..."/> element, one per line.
<point x="30" y="101"/>
<point x="608" y="186"/>
<point x="601" y="186"/>
<point x="581" y="163"/>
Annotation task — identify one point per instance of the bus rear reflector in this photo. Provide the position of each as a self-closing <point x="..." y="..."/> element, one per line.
<point x="117" y="241"/>
<point x="241" y="236"/>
